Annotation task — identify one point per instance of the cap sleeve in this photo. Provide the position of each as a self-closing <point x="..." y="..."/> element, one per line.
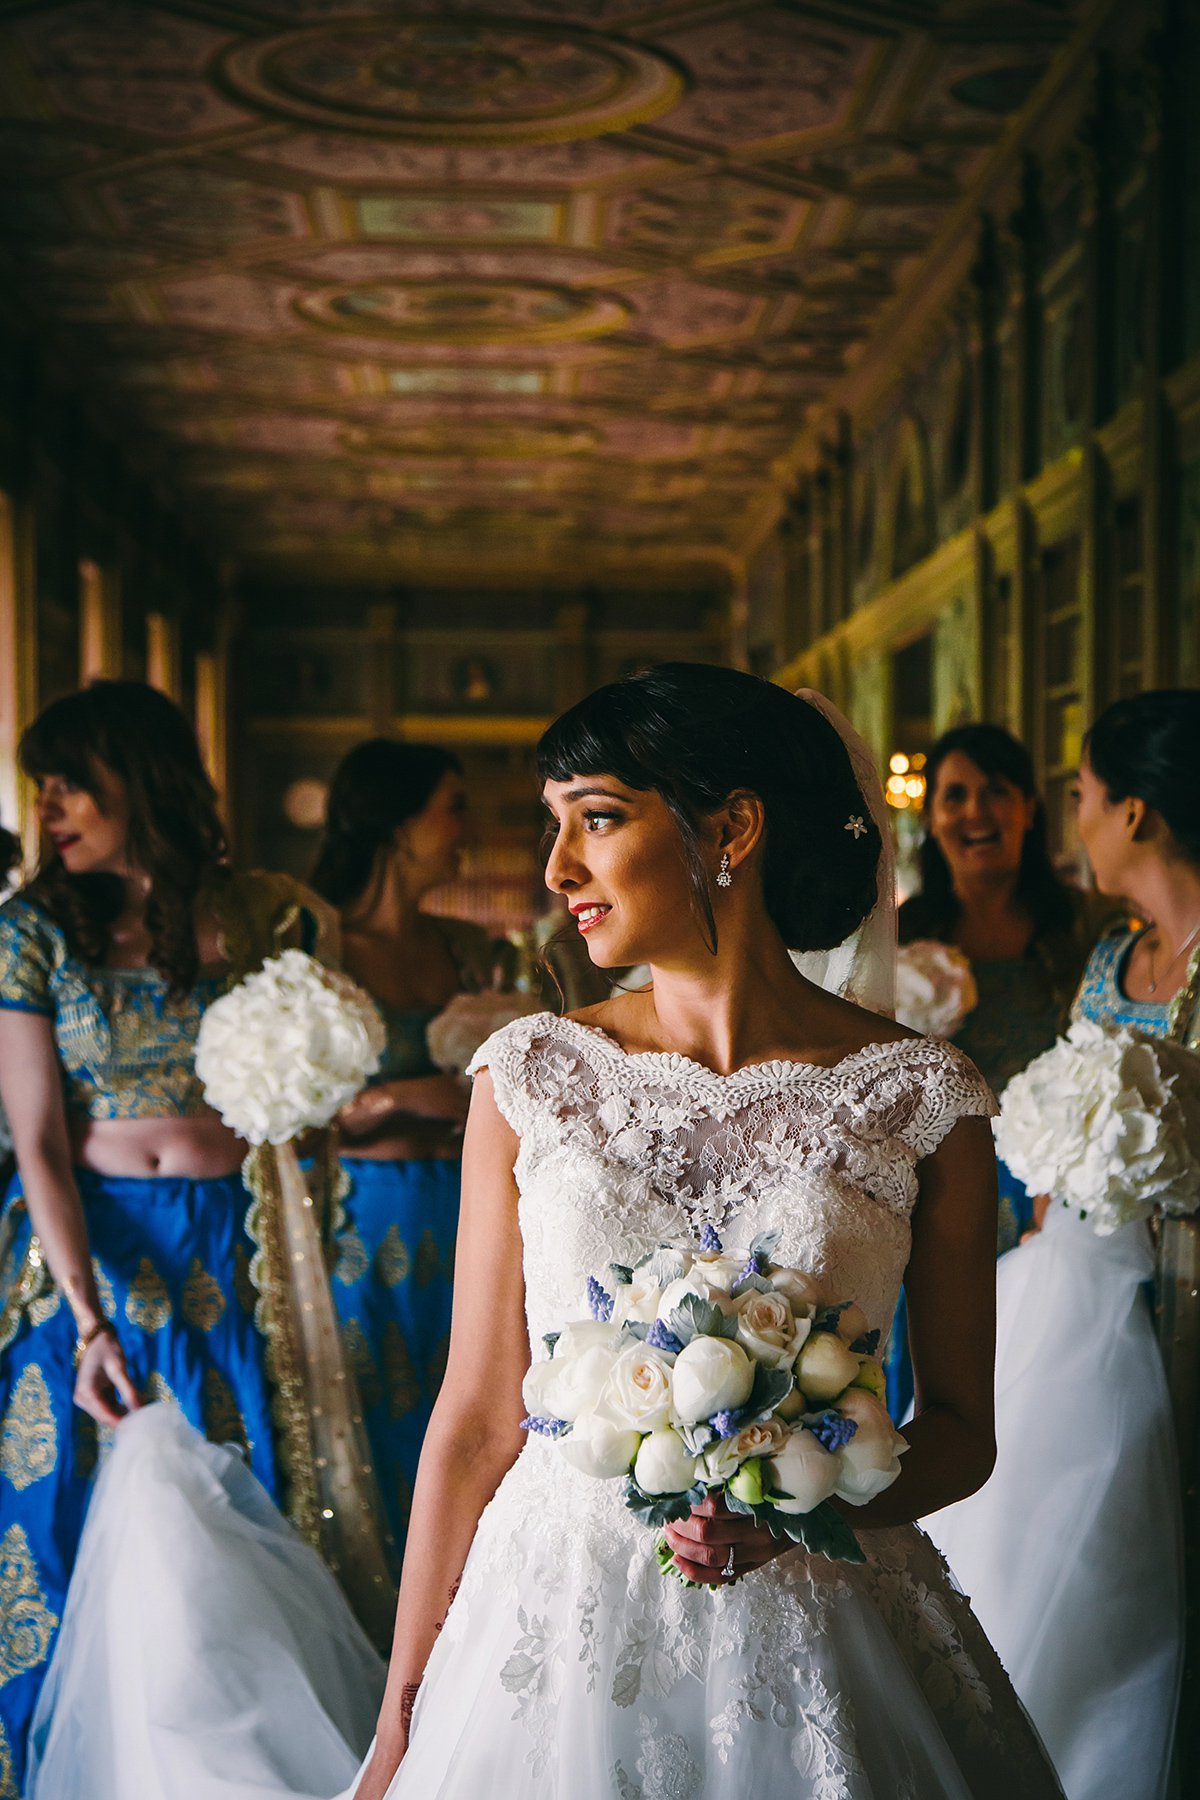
<point x="506" y="1055"/>
<point x="949" y="1088"/>
<point x="26" y="960"/>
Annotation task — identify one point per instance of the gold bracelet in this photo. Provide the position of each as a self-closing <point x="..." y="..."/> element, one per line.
<point x="89" y="1337"/>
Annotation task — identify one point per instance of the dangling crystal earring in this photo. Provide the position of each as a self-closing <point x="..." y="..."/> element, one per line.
<point x="724" y="878"/>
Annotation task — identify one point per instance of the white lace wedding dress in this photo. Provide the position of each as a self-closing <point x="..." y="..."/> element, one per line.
<point x="569" y="1666"/>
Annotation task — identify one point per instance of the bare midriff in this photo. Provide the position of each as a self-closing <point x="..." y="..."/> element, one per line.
<point x="197" y="1148"/>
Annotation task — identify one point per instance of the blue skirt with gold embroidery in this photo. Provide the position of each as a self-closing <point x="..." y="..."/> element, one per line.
<point x="392" y="1284"/>
<point x="172" y="1265"/>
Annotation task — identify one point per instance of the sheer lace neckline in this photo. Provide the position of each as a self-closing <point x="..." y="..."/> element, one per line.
<point x="778" y="1070"/>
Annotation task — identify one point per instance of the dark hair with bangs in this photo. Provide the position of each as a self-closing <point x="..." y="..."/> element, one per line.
<point x="934" y="912"/>
<point x="1147" y="747"/>
<point x="175" y="834"/>
<point x="698" y="734"/>
<point x="377" y="786"/>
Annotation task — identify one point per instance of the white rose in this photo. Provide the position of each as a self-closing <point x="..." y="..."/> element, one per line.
<point x="721" y="1460"/>
<point x="767" y="1329"/>
<point x="824" y="1366"/>
<point x="637" y="1299"/>
<point x="574" y="1385"/>
<point x="637" y="1394"/>
<point x="711" y="1375"/>
<point x="534" y="1390"/>
<point x="599" y="1447"/>
<point x="805" y="1470"/>
<point x="664" y="1464"/>
<point x="799" y="1289"/>
<point x="871" y="1459"/>
<point x="586" y="1334"/>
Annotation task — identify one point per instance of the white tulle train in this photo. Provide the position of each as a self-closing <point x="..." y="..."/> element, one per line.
<point x="1071" y="1553"/>
<point x="206" y="1652"/>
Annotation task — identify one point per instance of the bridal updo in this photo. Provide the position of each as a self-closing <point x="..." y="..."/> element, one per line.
<point x="698" y="734"/>
<point x="1147" y="747"/>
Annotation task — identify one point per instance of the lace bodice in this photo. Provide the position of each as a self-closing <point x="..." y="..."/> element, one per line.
<point x="620" y="1151"/>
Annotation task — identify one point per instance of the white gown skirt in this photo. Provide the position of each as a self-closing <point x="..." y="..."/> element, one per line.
<point x="206" y="1652"/>
<point x="571" y="1668"/>
<point x="1072" y="1553"/>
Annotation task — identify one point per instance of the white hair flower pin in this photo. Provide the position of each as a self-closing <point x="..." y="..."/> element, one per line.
<point x="856" y="826"/>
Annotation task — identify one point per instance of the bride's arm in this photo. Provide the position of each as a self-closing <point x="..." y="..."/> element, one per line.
<point x="473" y="1436"/>
<point x="950" y="1285"/>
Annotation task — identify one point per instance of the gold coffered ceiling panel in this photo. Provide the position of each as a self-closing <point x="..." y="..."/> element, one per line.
<point x="395" y="288"/>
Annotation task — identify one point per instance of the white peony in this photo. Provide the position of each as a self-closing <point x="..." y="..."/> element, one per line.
<point x="871" y="1458"/>
<point x="600" y="1448"/>
<point x="664" y="1464"/>
<point x="637" y="1394"/>
<point x="799" y="1289"/>
<point x="565" y="1387"/>
<point x="468" y="1021"/>
<point x="804" y="1470"/>
<point x="1097" y="1122"/>
<point x="711" y="1375"/>
<point x="935" y="989"/>
<point x="585" y="1334"/>
<point x="825" y="1366"/>
<point x="283" y="1051"/>
<point x="637" y="1299"/>
<point x="710" y="1277"/>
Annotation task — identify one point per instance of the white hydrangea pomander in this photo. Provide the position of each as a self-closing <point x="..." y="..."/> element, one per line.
<point x="935" y="988"/>
<point x="468" y="1021"/>
<point x="1097" y="1122"/>
<point x="287" y="1048"/>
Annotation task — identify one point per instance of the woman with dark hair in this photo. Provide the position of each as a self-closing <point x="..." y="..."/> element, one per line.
<point x="1071" y="1552"/>
<point x="128" y="1203"/>
<point x="708" y="824"/>
<point x="988" y="887"/>
<point x="395" y="830"/>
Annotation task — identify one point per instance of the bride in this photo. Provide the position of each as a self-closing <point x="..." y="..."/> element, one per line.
<point x="703" y="822"/>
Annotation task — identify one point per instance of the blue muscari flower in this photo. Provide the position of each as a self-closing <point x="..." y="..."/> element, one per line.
<point x="659" y="1338"/>
<point x="544" y="1427"/>
<point x="833" y="1430"/>
<point x="751" y="1268"/>
<point x="867" y="1344"/>
<point x="599" y="1300"/>
<point x="727" y="1424"/>
<point x="710" y="1243"/>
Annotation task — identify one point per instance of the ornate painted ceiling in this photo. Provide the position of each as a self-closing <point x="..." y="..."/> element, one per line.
<point x="425" y="286"/>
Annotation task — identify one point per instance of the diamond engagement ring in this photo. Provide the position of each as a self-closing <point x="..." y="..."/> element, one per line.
<point x="728" y="1570"/>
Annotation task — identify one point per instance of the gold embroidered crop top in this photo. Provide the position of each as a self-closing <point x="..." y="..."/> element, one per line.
<point x="127" y="1050"/>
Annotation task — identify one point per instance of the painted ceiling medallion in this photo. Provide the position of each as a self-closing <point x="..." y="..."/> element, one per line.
<point x="465" y="312"/>
<point x="461" y="80"/>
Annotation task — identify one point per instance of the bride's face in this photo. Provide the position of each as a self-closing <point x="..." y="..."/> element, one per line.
<point x="618" y="860"/>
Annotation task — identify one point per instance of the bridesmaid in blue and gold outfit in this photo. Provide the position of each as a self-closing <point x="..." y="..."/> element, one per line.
<point x="988" y="887"/>
<point x="395" y="830"/>
<point x="124" y="1261"/>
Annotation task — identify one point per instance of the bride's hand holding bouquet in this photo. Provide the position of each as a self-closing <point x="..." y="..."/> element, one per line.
<point x="735" y="1397"/>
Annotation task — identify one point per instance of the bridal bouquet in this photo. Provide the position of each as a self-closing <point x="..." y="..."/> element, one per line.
<point x="1107" y="1121"/>
<point x="283" y="1051"/>
<point x="935" y="989"/>
<point x="707" y="1371"/>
